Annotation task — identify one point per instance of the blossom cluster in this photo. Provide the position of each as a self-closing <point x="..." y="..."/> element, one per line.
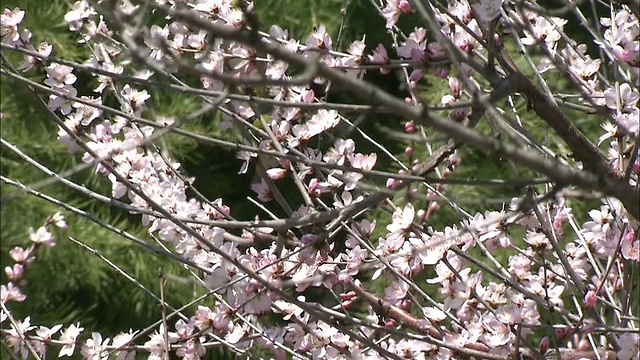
<point x="477" y="302"/>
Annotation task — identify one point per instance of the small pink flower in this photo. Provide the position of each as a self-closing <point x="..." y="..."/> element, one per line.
<point x="69" y="337"/>
<point x="16" y="337"/>
<point x="544" y="344"/>
<point x="319" y="39"/>
<point x="11" y="292"/>
<point x="15" y="272"/>
<point x="276" y="173"/>
<point x="590" y="298"/>
<point x="58" y="220"/>
<point x="20" y="255"/>
<point x="42" y="236"/>
<point x="9" y="21"/>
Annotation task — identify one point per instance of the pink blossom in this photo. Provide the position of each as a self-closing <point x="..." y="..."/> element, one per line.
<point x="392" y="11"/>
<point x="276" y="173"/>
<point x="630" y="247"/>
<point x="9" y="21"/>
<point x="10" y="292"/>
<point x="156" y="344"/>
<point x="94" y="348"/>
<point x="58" y="102"/>
<point x="68" y="337"/>
<point x="58" y="220"/>
<point x="20" y="255"/>
<point x="340" y="151"/>
<point x="16" y="336"/>
<point x="80" y="12"/>
<point x="380" y="56"/>
<point x="544" y="30"/>
<point x="15" y="272"/>
<point x="121" y="340"/>
<point x="627" y="95"/>
<point x="135" y="98"/>
<point x="319" y="39"/>
<point x="42" y="236"/>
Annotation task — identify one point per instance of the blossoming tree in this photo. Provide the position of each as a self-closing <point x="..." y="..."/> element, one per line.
<point x="529" y="280"/>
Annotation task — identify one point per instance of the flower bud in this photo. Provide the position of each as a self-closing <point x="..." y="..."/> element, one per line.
<point x="590" y="298"/>
<point x="405" y="304"/>
<point x="422" y="215"/>
<point x="454" y="85"/>
<point x="583" y="345"/>
<point x="409" y="127"/>
<point x="544" y="344"/>
<point x="276" y="173"/>
<point x="497" y="41"/>
<point x="347" y="304"/>
<point x="404" y="6"/>
<point x="408" y="151"/>
<point x="348" y="295"/>
<point x="15" y="272"/>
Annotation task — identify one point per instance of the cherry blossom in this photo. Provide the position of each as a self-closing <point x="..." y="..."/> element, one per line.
<point x="486" y="272"/>
<point x="68" y="337"/>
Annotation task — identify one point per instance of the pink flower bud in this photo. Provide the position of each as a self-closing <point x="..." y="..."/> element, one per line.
<point x="560" y="332"/>
<point x="618" y="285"/>
<point x="409" y="127"/>
<point x="391" y="183"/>
<point x="422" y="215"/>
<point x="583" y="345"/>
<point x="590" y="299"/>
<point x="347" y="296"/>
<point x="497" y="41"/>
<point x="390" y="323"/>
<point x="408" y="151"/>
<point x="405" y="304"/>
<point x="454" y="85"/>
<point x="404" y="6"/>
<point x="276" y="173"/>
<point x="15" y="272"/>
<point x="347" y="304"/>
<point x="544" y="344"/>
<point x="59" y="221"/>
